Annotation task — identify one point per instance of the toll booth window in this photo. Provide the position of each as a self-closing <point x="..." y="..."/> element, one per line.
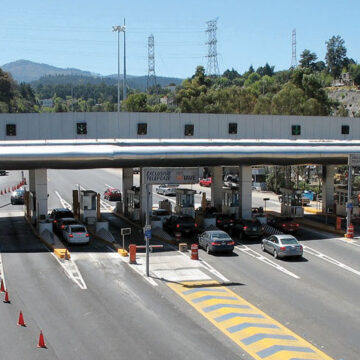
<point x="81" y="128"/>
<point x="295" y="130"/>
<point x="345" y="129"/>
<point x="10" y="130"/>
<point x="189" y="130"/>
<point x="142" y="129"/>
<point x="233" y="128"/>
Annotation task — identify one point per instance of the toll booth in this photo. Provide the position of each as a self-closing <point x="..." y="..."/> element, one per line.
<point x="185" y="199"/>
<point x="341" y="199"/>
<point x="291" y="203"/>
<point x="88" y="206"/>
<point x="230" y="202"/>
<point x="133" y="203"/>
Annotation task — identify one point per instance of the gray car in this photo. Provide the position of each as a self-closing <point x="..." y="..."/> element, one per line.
<point x="216" y="241"/>
<point x="282" y="246"/>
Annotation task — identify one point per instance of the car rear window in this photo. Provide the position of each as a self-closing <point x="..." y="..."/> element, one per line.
<point x="220" y="236"/>
<point x="63" y="214"/>
<point x="78" y="229"/>
<point x="186" y="219"/>
<point x="289" y="241"/>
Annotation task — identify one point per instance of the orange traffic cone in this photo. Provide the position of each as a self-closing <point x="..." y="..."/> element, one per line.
<point x="2" y="287"/>
<point x="41" y="343"/>
<point x="6" y="300"/>
<point x="21" y="321"/>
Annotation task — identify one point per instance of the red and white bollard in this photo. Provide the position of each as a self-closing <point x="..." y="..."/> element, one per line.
<point x="194" y="252"/>
<point x="350" y="231"/>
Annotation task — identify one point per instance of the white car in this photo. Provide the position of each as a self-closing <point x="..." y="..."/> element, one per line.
<point x="76" y="234"/>
<point x="167" y="190"/>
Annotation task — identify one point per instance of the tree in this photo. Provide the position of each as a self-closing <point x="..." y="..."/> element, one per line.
<point x="335" y="55"/>
<point x="231" y="74"/>
<point x="136" y="103"/>
<point x="355" y="73"/>
<point x="288" y="101"/>
<point x="266" y="70"/>
<point x="307" y="59"/>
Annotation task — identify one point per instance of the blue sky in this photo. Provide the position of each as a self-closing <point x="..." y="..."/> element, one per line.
<point x="78" y="33"/>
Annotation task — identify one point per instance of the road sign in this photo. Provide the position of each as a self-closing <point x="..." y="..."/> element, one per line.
<point x="266" y="199"/>
<point x="126" y="231"/>
<point x="148" y="234"/>
<point x="171" y="175"/>
<point x="349" y="205"/>
<point x="354" y="159"/>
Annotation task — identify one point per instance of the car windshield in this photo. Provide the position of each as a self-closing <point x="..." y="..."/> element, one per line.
<point x="220" y="236"/>
<point x="289" y="241"/>
<point x="78" y="229"/>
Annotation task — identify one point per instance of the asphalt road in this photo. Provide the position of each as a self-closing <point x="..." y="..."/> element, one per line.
<point x="120" y="315"/>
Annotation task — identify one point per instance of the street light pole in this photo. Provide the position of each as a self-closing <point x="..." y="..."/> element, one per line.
<point x="118" y="29"/>
<point x="124" y="75"/>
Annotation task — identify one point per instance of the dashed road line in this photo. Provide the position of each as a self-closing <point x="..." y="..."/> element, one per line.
<point x="329" y="259"/>
<point x="349" y="241"/>
<point x="246" y="250"/>
<point x="249" y="327"/>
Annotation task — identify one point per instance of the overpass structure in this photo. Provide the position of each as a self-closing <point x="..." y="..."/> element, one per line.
<point x="126" y="140"/>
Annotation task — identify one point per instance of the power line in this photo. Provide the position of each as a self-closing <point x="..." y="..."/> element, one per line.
<point x="212" y="65"/>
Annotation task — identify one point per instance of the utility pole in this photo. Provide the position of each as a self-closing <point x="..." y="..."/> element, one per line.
<point x="124" y="75"/>
<point x="118" y="29"/>
<point x="212" y="65"/>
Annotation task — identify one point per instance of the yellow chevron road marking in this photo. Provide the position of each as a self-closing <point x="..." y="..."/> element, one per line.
<point x="249" y="327"/>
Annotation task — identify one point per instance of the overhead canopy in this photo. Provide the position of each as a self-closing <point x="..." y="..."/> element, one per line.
<point x="80" y="154"/>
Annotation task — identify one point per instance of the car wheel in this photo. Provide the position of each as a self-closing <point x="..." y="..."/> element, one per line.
<point x="275" y="254"/>
<point x="262" y="247"/>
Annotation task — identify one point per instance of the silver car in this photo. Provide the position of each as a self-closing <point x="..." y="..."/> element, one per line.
<point x="282" y="246"/>
<point x="76" y="234"/>
<point x="167" y="190"/>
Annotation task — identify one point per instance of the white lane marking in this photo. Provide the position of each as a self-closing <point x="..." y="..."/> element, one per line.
<point x="109" y="186"/>
<point x="329" y="259"/>
<point x="138" y="270"/>
<point x="72" y="271"/>
<point x="106" y="206"/>
<point x="207" y="266"/>
<point x="64" y="203"/>
<point x="2" y="274"/>
<point x="246" y="250"/>
<point x="349" y="241"/>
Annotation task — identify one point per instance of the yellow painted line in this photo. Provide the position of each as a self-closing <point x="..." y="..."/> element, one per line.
<point x="312" y="210"/>
<point x="249" y="327"/>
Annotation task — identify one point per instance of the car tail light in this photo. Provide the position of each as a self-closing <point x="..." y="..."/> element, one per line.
<point x="55" y="221"/>
<point x="196" y="225"/>
<point x="245" y="227"/>
<point x="218" y="221"/>
<point x="62" y="226"/>
<point x="215" y="243"/>
<point x="283" y="225"/>
<point x="71" y="235"/>
<point x="301" y="247"/>
<point x="177" y="226"/>
<point x="231" y="243"/>
<point x="87" y="235"/>
<point x="283" y="248"/>
<point x="297" y="225"/>
<point x="231" y="220"/>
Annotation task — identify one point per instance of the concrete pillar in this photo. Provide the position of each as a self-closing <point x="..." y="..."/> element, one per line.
<point x="328" y="187"/>
<point x="127" y="183"/>
<point x="245" y="191"/>
<point x="216" y="186"/>
<point x="144" y="205"/>
<point x="38" y="186"/>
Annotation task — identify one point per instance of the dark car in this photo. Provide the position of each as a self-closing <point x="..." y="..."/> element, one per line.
<point x="112" y="194"/>
<point x="225" y="222"/>
<point x="63" y="222"/>
<point x="249" y="228"/>
<point x="58" y="214"/>
<point x="18" y="197"/>
<point x="285" y="224"/>
<point x="216" y="241"/>
<point x="180" y="223"/>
